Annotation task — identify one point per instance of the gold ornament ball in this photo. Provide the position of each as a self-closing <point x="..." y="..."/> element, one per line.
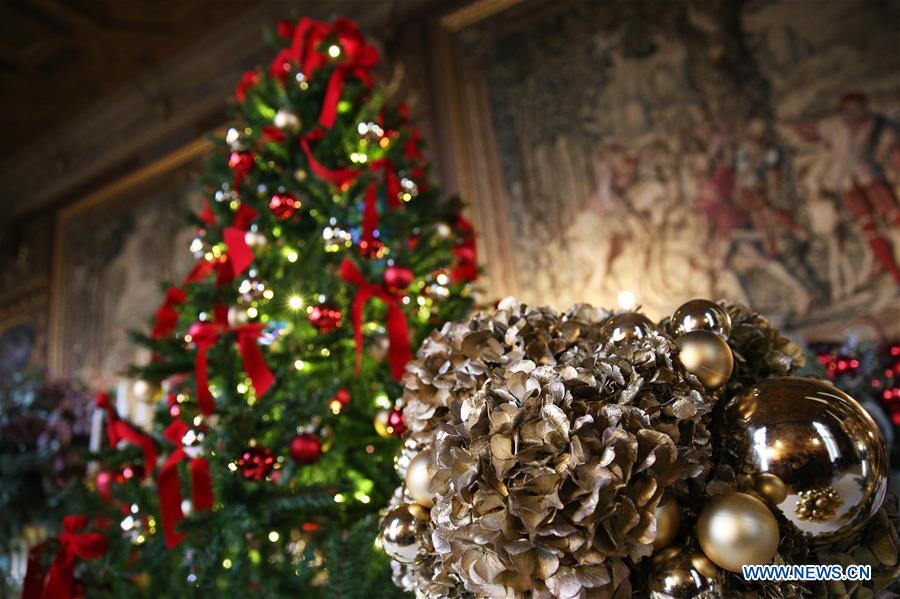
<point x="626" y="327"/>
<point x="255" y="239"/>
<point x="770" y="487"/>
<point x="668" y="521"/>
<point x="817" y="442"/>
<point x="382" y="423"/>
<point x="144" y="391"/>
<point x="404" y="532"/>
<point x="418" y="476"/>
<point x="237" y="317"/>
<point x="736" y="530"/>
<point x="701" y="315"/>
<point x="378" y="348"/>
<point x="706" y="356"/>
<point x="675" y="576"/>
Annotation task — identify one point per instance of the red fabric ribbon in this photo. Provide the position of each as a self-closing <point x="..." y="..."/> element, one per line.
<point x="399" y="353"/>
<point x="340" y="177"/>
<point x="205" y="334"/>
<point x="119" y="430"/>
<point x="370" y="206"/>
<point x="166" y="316"/>
<point x="248" y="80"/>
<point x="73" y="543"/>
<point x="169" y="484"/>
<point x="357" y="58"/>
<point x="240" y="256"/>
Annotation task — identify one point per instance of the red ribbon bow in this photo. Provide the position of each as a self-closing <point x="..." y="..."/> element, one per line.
<point x="399" y="353"/>
<point x="166" y="316"/>
<point x="370" y="210"/>
<point x="119" y="430"/>
<point x="72" y="544"/>
<point x="240" y="256"/>
<point x="339" y="177"/>
<point x="169" y="484"/>
<point x="205" y="334"/>
<point x="356" y="58"/>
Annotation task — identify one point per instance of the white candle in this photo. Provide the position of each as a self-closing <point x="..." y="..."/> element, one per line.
<point x="123" y="398"/>
<point x="96" y="430"/>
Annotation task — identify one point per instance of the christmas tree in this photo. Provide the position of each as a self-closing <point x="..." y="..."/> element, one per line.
<point x="324" y="257"/>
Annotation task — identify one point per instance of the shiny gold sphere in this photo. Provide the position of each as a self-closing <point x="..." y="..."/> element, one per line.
<point x="736" y="530"/>
<point x="404" y="533"/>
<point x="771" y="487"/>
<point x="701" y="315"/>
<point x="237" y="317"/>
<point x="706" y="356"/>
<point x="668" y="520"/>
<point x="674" y="576"/>
<point x="626" y="327"/>
<point x="382" y="418"/>
<point x="820" y="444"/>
<point x="418" y="476"/>
<point x="144" y="391"/>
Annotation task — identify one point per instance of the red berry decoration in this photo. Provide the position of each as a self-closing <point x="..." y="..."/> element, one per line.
<point x="306" y="449"/>
<point x="396" y="425"/>
<point x="284" y="205"/>
<point x="325" y="317"/>
<point x="397" y="278"/>
<point x="343" y="396"/>
<point x="256" y="463"/>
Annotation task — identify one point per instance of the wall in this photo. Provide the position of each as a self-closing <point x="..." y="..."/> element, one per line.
<point x="674" y="150"/>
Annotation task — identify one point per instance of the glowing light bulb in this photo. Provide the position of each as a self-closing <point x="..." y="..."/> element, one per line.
<point x="295" y="302"/>
<point x="334" y="51"/>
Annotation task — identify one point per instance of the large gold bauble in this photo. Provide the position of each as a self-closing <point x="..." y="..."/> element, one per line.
<point x="418" y="476"/>
<point x="820" y="444"/>
<point x="736" y="530"/>
<point x="404" y="532"/>
<point x="701" y="315"/>
<point x="668" y="520"/>
<point x="675" y="576"/>
<point x="706" y="356"/>
<point x="144" y="391"/>
<point x="626" y="327"/>
<point x="382" y="421"/>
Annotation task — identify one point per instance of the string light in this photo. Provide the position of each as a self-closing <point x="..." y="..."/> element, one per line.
<point x="295" y="302"/>
<point x="274" y="536"/>
<point x="334" y="51"/>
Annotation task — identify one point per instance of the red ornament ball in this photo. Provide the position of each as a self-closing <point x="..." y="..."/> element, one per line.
<point x="240" y="161"/>
<point x="397" y="278"/>
<point x="325" y="317"/>
<point x="396" y="425"/>
<point x="256" y="463"/>
<point x="284" y="205"/>
<point x="371" y="248"/>
<point x="306" y="449"/>
<point x="343" y="396"/>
